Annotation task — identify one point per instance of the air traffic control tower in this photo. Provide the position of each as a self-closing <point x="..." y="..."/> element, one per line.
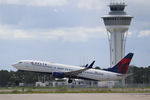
<point x="117" y="23"/>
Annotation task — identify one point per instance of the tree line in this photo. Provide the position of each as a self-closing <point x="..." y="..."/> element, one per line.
<point x="140" y="75"/>
<point x="13" y="78"/>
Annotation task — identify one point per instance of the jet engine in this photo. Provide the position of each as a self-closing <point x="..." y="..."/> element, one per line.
<point x="58" y="75"/>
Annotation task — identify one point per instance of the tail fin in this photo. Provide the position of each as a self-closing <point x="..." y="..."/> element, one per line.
<point x="122" y="66"/>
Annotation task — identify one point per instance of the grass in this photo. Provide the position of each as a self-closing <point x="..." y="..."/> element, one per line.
<point x="34" y="90"/>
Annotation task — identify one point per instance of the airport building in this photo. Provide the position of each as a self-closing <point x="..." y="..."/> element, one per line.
<point x="77" y="83"/>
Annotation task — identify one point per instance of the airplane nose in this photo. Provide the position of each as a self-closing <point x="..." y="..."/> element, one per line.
<point x="14" y="65"/>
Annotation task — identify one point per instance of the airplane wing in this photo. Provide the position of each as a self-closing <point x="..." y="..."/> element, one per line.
<point x="75" y="73"/>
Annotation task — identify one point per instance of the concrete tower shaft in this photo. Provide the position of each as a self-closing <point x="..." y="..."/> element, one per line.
<point x="117" y="23"/>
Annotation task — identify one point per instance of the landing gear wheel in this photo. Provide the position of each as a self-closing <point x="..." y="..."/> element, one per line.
<point x="70" y="81"/>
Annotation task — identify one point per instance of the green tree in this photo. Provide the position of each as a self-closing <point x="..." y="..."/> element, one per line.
<point x="4" y="77"/>
<point x="97" y="67"/>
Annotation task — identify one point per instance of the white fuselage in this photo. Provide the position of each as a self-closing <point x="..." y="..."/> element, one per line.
<point x="46" y="67"/>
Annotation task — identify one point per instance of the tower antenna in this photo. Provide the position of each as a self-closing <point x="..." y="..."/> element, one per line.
<point x="123" y="1"/>
<point x="112" y="1"/>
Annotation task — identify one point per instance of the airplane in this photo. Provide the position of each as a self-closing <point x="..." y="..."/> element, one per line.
<point x="118" y="72"/>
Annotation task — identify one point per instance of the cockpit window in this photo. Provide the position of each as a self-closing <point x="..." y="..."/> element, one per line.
<point x="19" y="62"/>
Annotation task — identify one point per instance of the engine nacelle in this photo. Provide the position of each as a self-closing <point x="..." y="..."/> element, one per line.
<point x="58" y="75"/>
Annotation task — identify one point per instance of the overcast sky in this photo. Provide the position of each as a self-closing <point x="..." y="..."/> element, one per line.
<point x="68" y="31"/>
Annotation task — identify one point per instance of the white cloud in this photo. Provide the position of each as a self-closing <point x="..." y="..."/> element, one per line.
<point x="82" y="33"/>
<point x="11" y="33"/>
<point x="144" y="33"/>
<point x="35" y="2"/>
<point x="101" y="4"/>
<point x="91" y="4"/>
<point x="74" y="34"/>
<point x="20" y="34"/>
<point x="55" y="10"/>
<point x="139" y="2"/>
<point x="129" y="34"/>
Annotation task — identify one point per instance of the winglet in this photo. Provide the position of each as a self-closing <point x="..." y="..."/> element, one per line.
<point x="91" y="65"/>
<point x="86" y="65"/>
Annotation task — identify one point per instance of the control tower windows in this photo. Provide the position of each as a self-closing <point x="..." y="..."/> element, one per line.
<point x="117" y="20"/>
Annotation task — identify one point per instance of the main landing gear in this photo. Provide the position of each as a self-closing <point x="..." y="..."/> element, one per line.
<point x="70" y="80"/>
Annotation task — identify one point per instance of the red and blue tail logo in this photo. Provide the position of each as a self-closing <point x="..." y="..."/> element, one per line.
<point x="122" y="66"/>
